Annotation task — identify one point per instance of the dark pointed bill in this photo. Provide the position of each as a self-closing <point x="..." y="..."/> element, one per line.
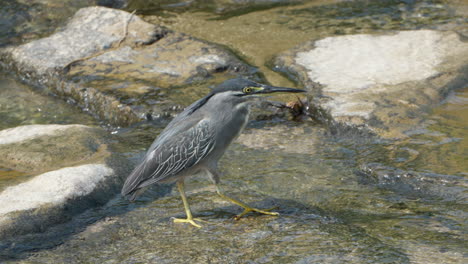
<point x="273" y="89"/>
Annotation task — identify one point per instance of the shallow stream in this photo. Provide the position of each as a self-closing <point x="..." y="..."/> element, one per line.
<point x="344" y="196"/>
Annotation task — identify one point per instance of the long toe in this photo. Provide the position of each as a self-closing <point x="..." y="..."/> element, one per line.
<point x="190" y="221"/>
<point x="261" y="211"/>
<point x="267" y="211"/>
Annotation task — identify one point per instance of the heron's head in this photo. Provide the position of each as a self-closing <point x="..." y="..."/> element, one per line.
<point x="246" y="88"/>
<point x="237" y="92"/>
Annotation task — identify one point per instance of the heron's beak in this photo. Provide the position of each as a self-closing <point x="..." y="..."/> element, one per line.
<point x="267" y="89"/>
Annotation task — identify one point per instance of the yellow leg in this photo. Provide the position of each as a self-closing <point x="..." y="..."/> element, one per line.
<point x="190" y="219"/>
<point x="246" y="207"/>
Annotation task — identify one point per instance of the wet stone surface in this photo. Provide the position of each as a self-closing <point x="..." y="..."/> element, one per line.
<point x="380" y="81"/>
<point x="23" y="146"/>
<point x="53" y="197"/>
<point x="223" y="8"/>
<point x="23" y="105"/>
<point x="148" y="235"/>
<point x="328" y="213"/>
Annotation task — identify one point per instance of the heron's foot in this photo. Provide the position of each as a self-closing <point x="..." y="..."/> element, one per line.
<point x="190" y="221"/>
<point x="248" y="209"/>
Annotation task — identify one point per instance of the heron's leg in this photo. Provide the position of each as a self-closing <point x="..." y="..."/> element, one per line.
<point x="247" y="208"/>
<point x="190" y="219"/>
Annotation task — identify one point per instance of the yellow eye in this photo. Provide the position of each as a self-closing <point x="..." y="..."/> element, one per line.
<point x="247" y="90"/>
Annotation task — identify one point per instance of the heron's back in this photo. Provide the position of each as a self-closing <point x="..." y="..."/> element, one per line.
<point x="194" y="138"/>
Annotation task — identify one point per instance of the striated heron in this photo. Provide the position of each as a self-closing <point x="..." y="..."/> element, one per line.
<point x="196" y="139"/>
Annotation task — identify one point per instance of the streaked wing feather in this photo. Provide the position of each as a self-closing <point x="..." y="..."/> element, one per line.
<point x="171" y="156"/>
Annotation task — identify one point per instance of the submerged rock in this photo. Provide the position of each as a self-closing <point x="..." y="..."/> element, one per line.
<point x="56" y="195"/>
<point x="22" y="105"/>
<point x="224" y="8"/>
<point x="380" y="81"/>
<point x="293" y="139"/>
<point x="115" y="65"/>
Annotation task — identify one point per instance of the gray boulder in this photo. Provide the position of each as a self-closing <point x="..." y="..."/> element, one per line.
<point x="94" y="175"/>
<point x="91" y="30"/>
<point x="383" y="82"/>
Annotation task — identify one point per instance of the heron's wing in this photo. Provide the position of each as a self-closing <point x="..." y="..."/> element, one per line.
<point x="171" y="155"/>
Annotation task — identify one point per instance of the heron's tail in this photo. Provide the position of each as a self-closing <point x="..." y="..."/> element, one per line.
<point x="131" y="187"/>
<point x="131" y="196"/>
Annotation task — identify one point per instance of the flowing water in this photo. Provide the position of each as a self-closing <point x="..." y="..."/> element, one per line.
<point x="21" y="105"/>
<point x="345" y="197"/>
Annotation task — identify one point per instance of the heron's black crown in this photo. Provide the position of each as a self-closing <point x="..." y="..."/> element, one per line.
<point x="234" y="85"/>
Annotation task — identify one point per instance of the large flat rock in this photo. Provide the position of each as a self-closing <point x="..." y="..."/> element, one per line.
<point x="117" y="66"/>
<point x="37" y="204"/>
<point x="54" y="187"/>
<point x="380" y="81"/>
<point x="91" y="30"/>
<point x="72" y="169"/>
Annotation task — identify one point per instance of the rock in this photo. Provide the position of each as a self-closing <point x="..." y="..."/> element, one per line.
<point x="46" y="198"/>
<point x="413" y="183"/>
<point x="22" y="148"/>
<point x="117" y="66"/>
<point x="175" y="59"/>
<point x="95" y="175"/>
<point x="18" y="134"/>
<point x="380" y="81"/>
<point x="293" y="139"/>
<point x="54" y="187"/>
<point x="22" y="21"/>
<point x="91" y="30"/>
<point x="147" y="234"/>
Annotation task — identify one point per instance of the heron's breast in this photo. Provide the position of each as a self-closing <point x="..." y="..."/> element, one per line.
<point x="233" y="124"/>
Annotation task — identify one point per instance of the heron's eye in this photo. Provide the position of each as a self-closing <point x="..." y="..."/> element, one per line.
<point x="247" y="90"/>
